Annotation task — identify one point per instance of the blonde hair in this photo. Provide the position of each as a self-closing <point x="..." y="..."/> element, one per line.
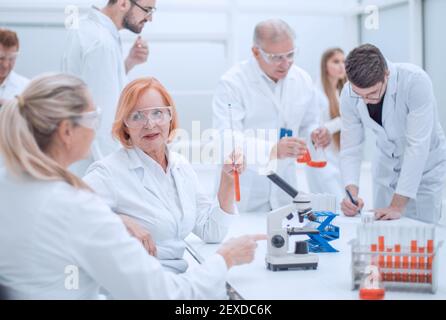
<point x="332" y="94"/>
<point x="27" y="125"/>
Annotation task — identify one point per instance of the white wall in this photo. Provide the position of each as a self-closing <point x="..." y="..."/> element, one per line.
<point x="435" y="53"/>
<point x="192" y="42"/>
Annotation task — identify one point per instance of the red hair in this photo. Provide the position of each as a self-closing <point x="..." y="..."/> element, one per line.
<point x="127" y="102"/>
<point x="9" y="38"/>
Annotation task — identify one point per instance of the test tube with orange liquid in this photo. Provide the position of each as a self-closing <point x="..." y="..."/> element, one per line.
<point x="430" y="253"/>
<point x="413" y="258"/>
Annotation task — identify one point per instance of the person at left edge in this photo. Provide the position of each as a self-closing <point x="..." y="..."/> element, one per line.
<point x="93" y="52"/>
<point x="11" y="83"/>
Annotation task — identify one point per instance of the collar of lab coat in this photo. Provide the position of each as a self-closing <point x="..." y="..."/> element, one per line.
<point x="139" y="159"/>
<point x="389" y="101"/>
<point x="154" y="173"/>
<point x="96" y="14"/>
<point x="393" y="79"/>
<point x="9" y="80"/>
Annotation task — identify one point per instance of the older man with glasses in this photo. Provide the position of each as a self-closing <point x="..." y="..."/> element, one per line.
<point x="11" y="83"/>
<point x="270" y="93"/>
<point x="93" y="52"/>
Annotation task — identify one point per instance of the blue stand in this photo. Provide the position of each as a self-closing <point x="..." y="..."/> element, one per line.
<point x="327" y="232"/>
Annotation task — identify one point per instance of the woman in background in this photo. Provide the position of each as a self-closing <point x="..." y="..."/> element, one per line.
<point x="332" y="80"/>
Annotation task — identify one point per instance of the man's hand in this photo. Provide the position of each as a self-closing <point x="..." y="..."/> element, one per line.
<point x="138" y="54"/>
<point x="289" y="147"/>
<point x="347" y="206"/>
<point x="321" y="137"/>
<point x="395" y="210"/>
<point x="350" y="209"/>
<point x="390" y="213"/>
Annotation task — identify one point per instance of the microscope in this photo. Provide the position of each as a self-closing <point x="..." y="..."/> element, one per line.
<point x="278" y="257"/>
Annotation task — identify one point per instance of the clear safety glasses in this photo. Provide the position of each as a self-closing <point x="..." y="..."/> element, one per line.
<point x="141" y="118"/>
<point x="374" y="96"/>
<point x="8" y="57"/>
<point x="278" y="58"/>
<point x="91" y="120"/>
<point x="149" y="10"/>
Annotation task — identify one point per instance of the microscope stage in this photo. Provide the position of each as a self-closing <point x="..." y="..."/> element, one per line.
<point x="291" y="261"/>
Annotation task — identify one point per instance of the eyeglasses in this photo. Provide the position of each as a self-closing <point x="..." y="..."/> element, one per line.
<point x="141" y="118"/>
<point x="278" y="58"/>
<point x="10" y="57"/>
<point x="149" y="10"/>
<point x="91" y="120"/>
<point x="372" y="97"/>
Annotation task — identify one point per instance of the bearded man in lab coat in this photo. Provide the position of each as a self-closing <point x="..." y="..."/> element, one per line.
<point x="396" y="101"/>
<point x="267" y="93"/>
<point x="93" y="52"/>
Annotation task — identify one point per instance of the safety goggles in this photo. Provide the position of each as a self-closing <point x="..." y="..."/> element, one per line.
<point x="141" y="118"/>
<point x="276" y="59"/>
<point x="8" y="57"/>
<point x="375" y="96"/>
<point x="149" y="10"/>
<point x="91" y="120"/>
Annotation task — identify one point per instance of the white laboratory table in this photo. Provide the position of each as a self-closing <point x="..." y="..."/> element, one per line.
<point x="331" y="280"/>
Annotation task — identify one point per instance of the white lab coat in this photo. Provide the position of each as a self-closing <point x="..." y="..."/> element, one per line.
<point x="62" y="243"/>
<point x="254" y="105"/>
<point x="134" y="184"/>
<point x="93" y="52"/>
<point x="328" y="179"/>
<point x="13" y="85"/>
<point x="410" y="154"/>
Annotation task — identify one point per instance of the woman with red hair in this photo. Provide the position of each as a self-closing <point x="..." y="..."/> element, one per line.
<point x="154" y="190"/>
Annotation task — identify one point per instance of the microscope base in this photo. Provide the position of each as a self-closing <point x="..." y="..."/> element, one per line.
<point x="291" y="261"/>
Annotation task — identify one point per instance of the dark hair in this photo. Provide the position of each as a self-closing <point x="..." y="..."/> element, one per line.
<point x="8" y="38"/>
<point x="365" y="66"/>
<point x="111" y="2"/>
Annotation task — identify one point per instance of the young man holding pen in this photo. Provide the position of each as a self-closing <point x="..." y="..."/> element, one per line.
<point x="396" y="101"/>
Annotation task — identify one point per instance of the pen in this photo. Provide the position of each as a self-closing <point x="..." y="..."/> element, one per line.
<point x="355" y="202"/>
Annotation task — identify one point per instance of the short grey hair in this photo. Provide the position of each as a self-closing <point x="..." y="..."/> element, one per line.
<point x="272" y="31"/>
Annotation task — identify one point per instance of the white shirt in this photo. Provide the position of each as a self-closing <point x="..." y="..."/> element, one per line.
<point x="261" y="107"/>
<point x="49" y="230"/>
<point x="93" y="52"/>
<point x="170" y="205"/>
<point x="13" y="85"/>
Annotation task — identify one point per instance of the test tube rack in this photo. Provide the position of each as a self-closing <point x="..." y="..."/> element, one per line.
<point x="404" y="265"/>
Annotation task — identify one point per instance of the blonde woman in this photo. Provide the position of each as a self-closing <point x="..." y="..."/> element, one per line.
<point x="332" y="80"/>
<point x="57" y="230"/>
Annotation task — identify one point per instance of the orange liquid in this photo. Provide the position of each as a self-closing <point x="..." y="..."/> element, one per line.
<point x="398" y="262"/>
<point x="305" y="158"/>
<point x="430" y="251"/>
<point x="237" y="186"/>
<point x="317" y="164"/>
<point x="371" y="294"/>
